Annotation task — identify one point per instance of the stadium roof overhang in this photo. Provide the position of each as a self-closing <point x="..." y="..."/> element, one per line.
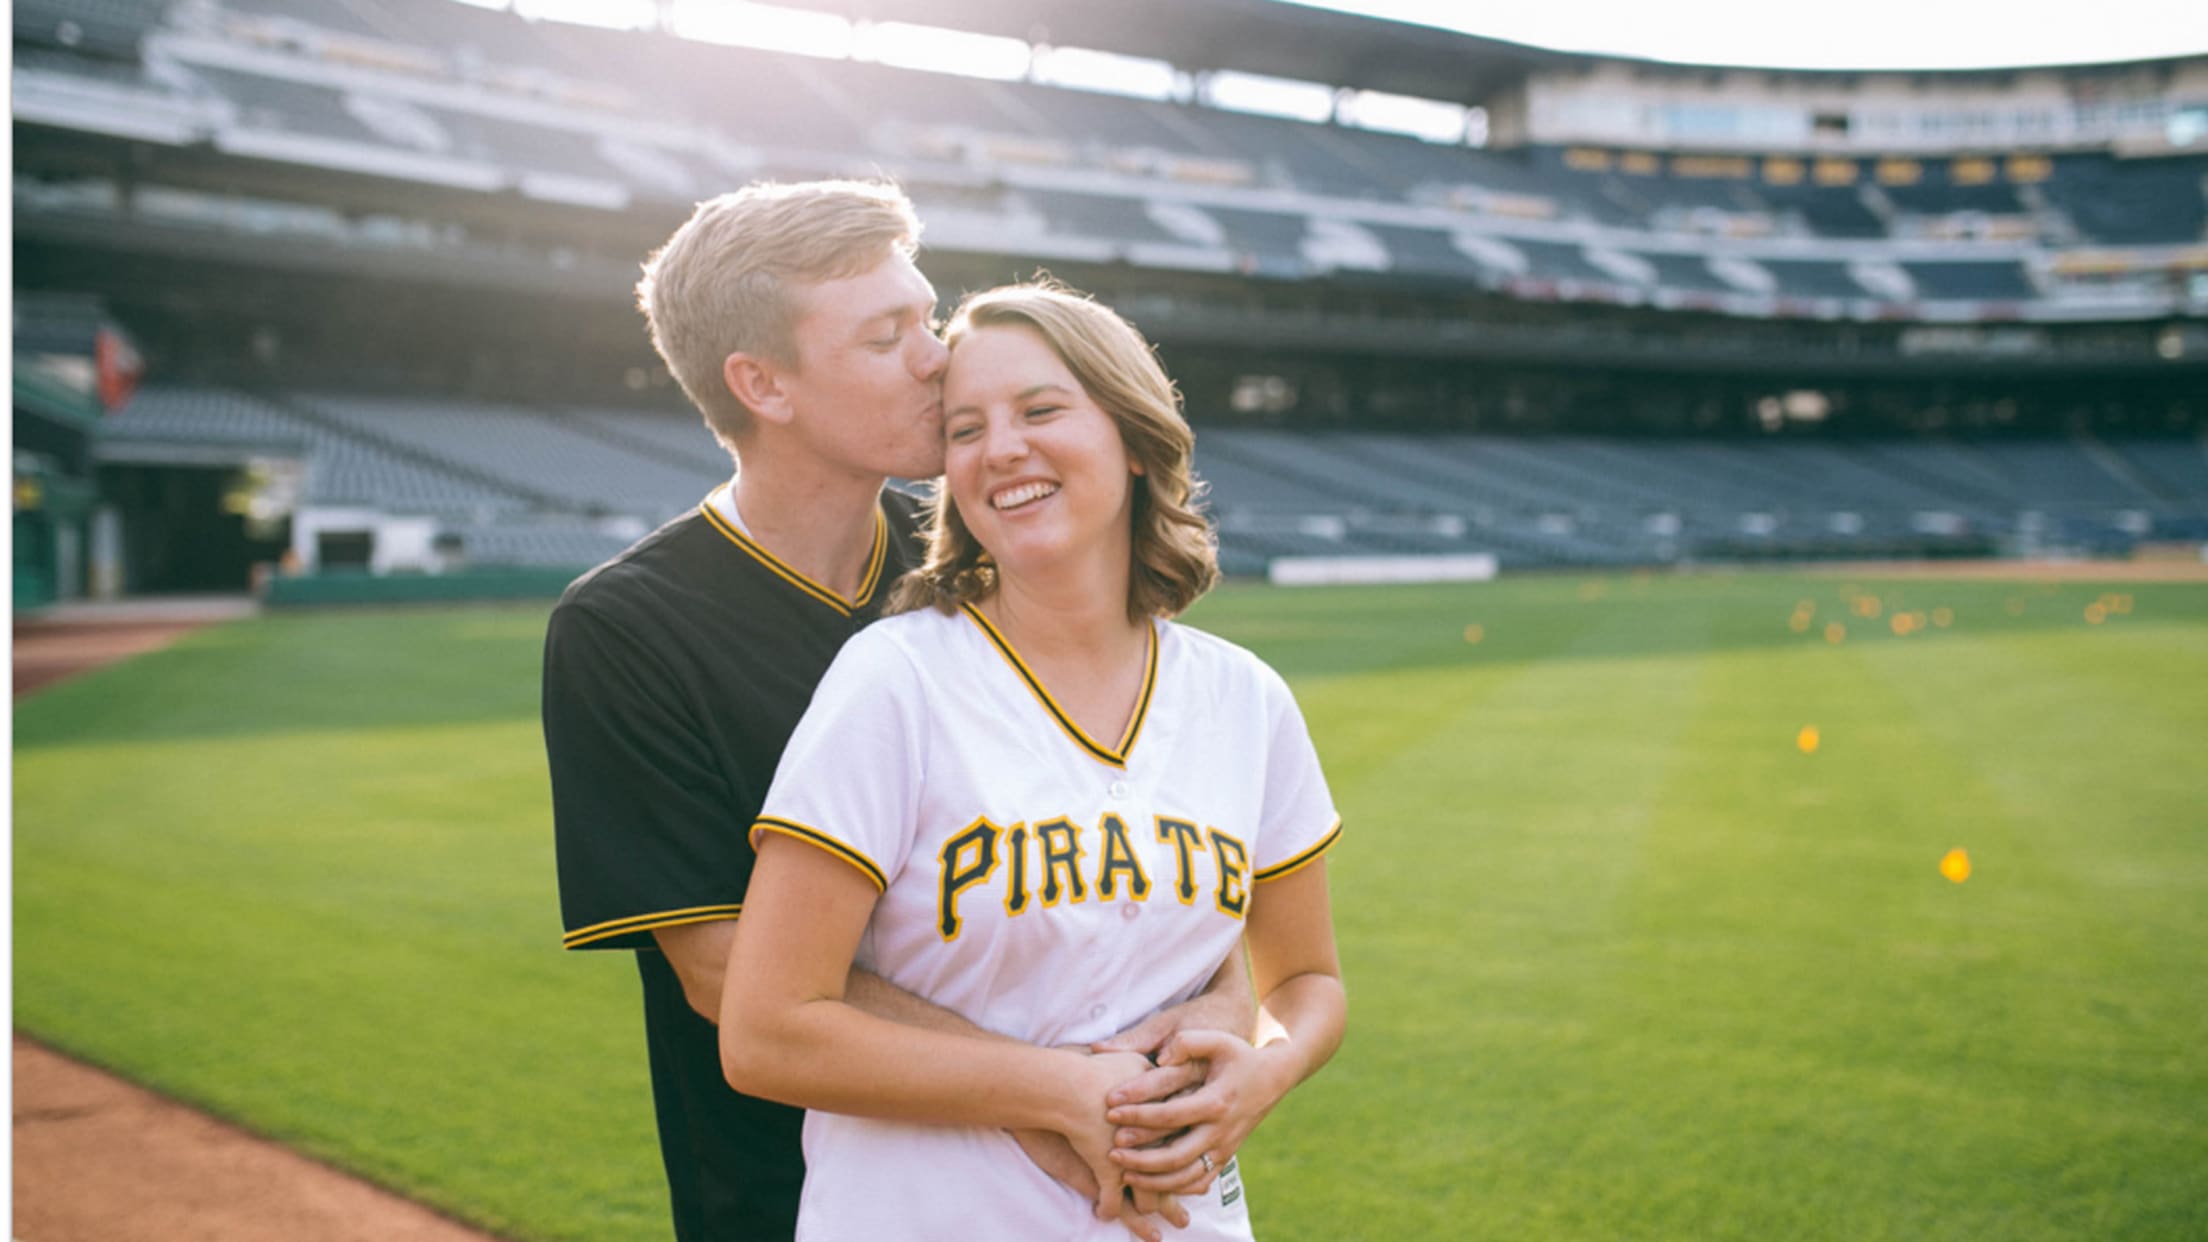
<point x="1249" y="36"/>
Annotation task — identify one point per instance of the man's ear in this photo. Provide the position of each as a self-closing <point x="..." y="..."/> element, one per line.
<point x="757" y="382"/>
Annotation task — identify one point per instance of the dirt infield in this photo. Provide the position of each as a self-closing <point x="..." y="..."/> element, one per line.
<point x="47" y="653"/>
<point x="62" y="641"/>
<point x="99" y="1160"/>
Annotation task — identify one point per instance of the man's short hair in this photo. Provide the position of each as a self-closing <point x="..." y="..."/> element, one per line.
<point x="723" y="284"/>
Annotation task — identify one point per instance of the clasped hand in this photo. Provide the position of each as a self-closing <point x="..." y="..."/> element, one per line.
<point x="1155" y="1124"/>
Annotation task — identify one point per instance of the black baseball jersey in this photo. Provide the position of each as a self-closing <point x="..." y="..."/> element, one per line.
<point x="673" y="676"/>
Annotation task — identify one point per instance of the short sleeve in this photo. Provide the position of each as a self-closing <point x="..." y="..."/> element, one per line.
<point x="849" y="781"/>
<point x="646" y="832"/>
<point x="1298" y="823"/>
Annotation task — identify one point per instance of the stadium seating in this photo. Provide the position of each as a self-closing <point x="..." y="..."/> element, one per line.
<point x="1560" y="261"/>
<point x="209" y="417"/>
<point x="2132" y="201"/>
<point x="342" y="469"/>
<point x="1108" y="217"/>
<point x="561" y="463"/>
<point x="488" y="101"/>
<point x="106" y="29"/>
<point x="1428" y="253"/>
<point x="293" y="107"/>
<point x="569" y="486"/>
<point x="1978" y="282"/>
<point x="543" y="105"/>
<point x="1684" y="272"/>
<point x="1813" y="278"/>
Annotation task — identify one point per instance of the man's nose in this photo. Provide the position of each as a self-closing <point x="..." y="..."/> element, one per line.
<point x="934" y="356"/>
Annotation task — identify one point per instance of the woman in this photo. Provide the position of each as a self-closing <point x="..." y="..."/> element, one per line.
<point x="951" y="814"/>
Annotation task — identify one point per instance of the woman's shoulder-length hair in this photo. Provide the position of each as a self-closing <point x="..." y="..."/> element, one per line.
<point x="1175" y="554"/>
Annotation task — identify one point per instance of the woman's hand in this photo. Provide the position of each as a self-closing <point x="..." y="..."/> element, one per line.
<point x="1241" y="1085"/>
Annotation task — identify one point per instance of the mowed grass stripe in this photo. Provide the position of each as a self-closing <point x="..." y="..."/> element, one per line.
<point x="1776" y="968"/>
<point x="1623" y="961"/>
<point x="344" y="938"/>
<point x="1481" y="914"/>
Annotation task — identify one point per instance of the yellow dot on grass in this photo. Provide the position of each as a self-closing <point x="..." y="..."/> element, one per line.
<point x="1799" y="623"/>
<point x="1807" y="739"/>
<point x="1904" y="624"/>
<point x="2095" y="613"/>
<point x="1590" y="591"/>
<point x="2121" y="605"/>
<point x="1474" y="632"/>
<point x="1943" y="617"/>
<point x="1956" y="865"/>
<point x="1868" y="607"/>
<point x="1835" y="632"/>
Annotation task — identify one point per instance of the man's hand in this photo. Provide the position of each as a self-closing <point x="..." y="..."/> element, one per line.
<point x="1049" y="1151"/>
<point x="1053" y="1153"/>
<point x="1226" y="1004"/>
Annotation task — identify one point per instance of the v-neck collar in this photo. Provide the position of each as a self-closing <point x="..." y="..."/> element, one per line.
<point x="1116" y="756"/>
<point x="867" y="581"/>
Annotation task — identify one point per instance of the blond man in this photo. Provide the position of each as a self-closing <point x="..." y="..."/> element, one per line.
<point x="795" y="319"/>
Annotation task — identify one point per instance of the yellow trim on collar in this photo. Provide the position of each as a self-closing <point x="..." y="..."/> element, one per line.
<point x="1114" y="755"/>
<point x="867" y="583"/>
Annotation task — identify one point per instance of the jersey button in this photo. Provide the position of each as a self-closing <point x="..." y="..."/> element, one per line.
<point x="1129" y="911"/>
<point x="1118" y="791"/>
<point x="1096" y="1011"/>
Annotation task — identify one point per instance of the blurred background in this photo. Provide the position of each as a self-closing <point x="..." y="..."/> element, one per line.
<point x="1767" y="731"/>
<point x="340" y="289"/>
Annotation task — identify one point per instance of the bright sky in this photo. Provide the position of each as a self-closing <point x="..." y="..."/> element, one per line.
<point x="1838" y="34"/>
<point x="1835" y="34"/>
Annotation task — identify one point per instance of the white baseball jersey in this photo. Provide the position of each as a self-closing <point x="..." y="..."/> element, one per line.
<point x="1040" y="882"/>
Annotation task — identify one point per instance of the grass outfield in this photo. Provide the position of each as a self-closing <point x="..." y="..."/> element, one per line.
<point x="1624" y="961"/>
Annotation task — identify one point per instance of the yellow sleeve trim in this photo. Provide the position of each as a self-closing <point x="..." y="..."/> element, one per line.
<point x="1305" y="859"/>
<point x="647" y="922"/>
<point x="814" y="836"/>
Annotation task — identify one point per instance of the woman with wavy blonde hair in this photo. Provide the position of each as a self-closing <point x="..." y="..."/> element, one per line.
<point x="1175" y="555"/>
<point x="1046" y="807"/>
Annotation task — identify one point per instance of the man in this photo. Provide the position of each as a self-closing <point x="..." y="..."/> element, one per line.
<point x="796" y="321"/>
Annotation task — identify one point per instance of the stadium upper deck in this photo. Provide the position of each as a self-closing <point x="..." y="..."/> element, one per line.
<point x="320" y="109"/>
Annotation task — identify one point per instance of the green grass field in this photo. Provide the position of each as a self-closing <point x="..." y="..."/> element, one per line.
<point x="1624" y="961"/>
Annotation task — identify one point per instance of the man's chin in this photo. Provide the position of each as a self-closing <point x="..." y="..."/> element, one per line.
<point x="921" y="469"/>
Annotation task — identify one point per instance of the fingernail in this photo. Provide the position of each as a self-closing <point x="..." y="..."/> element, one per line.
<point x="1115" y="1116"/>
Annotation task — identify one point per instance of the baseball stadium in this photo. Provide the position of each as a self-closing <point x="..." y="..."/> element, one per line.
<point x="1738" y="536"/>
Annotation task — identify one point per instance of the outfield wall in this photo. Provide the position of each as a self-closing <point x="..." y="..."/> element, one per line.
<point x="324" y="590"/>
